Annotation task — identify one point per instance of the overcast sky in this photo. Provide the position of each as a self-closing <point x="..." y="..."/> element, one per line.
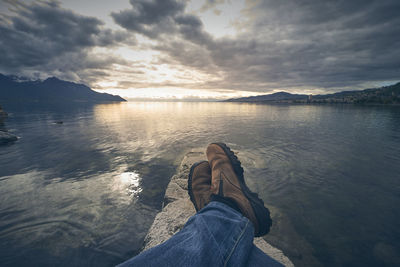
<point x="211" y="48"/>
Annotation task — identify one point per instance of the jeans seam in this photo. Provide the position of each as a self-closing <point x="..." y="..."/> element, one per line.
<point x="236" y="243"/>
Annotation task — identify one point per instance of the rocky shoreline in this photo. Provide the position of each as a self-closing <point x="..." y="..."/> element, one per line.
<point x="177" y="209"/>
<point x="3" y="114"/>
<point x="5" y="136"/>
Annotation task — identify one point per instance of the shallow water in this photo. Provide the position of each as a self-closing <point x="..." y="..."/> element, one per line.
<point x="86" y="191"/>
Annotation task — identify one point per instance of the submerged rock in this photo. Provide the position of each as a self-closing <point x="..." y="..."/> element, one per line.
<point x="3" y="114"/>
<point x="178" y="209"/>
<point x="6" y="138"/>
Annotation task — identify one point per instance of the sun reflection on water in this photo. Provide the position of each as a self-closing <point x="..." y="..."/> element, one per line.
<point x="128" y="182"/>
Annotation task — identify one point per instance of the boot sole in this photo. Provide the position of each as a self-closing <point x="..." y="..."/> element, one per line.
<point x="190" y="190"/>
<point x="262" y="213"/>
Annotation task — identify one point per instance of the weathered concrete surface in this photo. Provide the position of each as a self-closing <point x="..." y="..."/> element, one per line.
<point x="178" y="208"/>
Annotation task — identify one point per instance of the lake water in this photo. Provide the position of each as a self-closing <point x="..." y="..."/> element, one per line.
<point x="86" y="191"/>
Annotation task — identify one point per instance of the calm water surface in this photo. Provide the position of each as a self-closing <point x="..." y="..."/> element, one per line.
<point x="85" y="192"/>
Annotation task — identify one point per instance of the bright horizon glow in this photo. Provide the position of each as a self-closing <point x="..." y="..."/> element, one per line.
<point x="175" y="93"/>
<point x="171" y="93"/>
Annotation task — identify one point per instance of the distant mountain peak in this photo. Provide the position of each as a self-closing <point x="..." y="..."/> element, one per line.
<point x="50" y="79"/>
<point x="282" y="93"/>
<point x="270" y="97"/>
<point x="50" y="90"/>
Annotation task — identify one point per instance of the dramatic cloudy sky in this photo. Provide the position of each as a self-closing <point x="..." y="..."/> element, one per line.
<point x="209" y="48"/>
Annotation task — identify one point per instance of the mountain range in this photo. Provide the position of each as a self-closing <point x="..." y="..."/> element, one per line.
<point x="50" y="90"/>
<point x="382" y="95"/>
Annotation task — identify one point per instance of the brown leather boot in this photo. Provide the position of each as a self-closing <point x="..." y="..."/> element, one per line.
<point x="199" y="184"/>
<point x="228" y="182"/>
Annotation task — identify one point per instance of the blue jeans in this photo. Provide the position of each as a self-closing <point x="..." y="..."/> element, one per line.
<point x="215" y="236"/>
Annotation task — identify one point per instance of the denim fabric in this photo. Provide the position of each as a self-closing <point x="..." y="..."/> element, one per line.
<point x="215" y="236"/>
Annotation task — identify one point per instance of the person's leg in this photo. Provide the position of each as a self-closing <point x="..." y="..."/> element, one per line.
<point x="219" y="234"/>
<point x="209" y="238"/>
<point x="216" y="236"/>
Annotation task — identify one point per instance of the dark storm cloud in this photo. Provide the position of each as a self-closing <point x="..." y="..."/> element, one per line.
<point x="322" y="44"/>
<point x="160" y="19"/>
<point x="325" y="43"/>
<point x="49" y="39"/>
<point x="150" y="18"/>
